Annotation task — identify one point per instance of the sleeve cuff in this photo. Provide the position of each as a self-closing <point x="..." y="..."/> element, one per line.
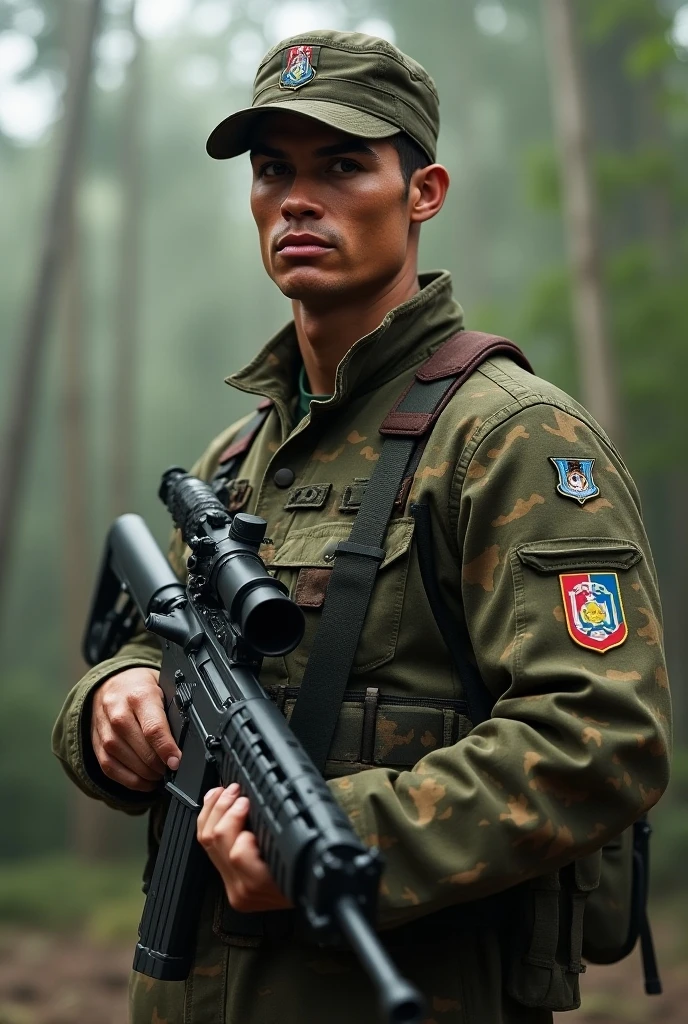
<point x="72" y="743"/>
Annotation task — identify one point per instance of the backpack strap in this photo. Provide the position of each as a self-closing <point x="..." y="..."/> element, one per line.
<point x="358" y="559"/>
<point x="442" y="375"/>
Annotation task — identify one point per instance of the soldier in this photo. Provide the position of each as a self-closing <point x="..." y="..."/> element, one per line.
<point x="538" y="548"/>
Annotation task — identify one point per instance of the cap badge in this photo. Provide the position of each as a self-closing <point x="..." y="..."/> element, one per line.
<point x="575" y="479"/>
<point x="299" y="67"/>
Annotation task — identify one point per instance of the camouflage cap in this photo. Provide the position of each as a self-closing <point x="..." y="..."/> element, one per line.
<point x="357" y="83"/>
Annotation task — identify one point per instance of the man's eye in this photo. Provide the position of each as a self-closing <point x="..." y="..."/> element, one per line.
<point x="273" y="170"/>
<point x="345" y="166"/>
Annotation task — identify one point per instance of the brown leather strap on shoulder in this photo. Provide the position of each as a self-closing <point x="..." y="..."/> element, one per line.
<point x="241" y="444"/>
<point x="464" y="352"/>
<point x="457" y="358"/>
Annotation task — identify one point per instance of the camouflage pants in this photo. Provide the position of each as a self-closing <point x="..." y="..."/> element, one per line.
<point x="461" y="979"/>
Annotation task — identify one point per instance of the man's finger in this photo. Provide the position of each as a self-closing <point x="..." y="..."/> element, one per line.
<point x="229" y="824"/>
<point x="209" y="801"/>
<point x="117" y="748"/>
<point x="214" y="831"/>
<point x="154" y="726"/>
<point x="118" y="772"/>
<point x="137" y="742"/>
<point x="252" y="887"/>
<point x="245" y="858"/>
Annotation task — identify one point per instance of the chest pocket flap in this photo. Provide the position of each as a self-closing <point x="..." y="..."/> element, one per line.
<point x="314" y="545"/>
<point x="304" y="563"/>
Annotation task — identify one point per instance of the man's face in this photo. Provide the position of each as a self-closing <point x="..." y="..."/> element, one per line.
<point x="331" y="209"/>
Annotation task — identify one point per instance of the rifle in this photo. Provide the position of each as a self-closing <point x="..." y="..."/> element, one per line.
<point x="214" y="634"/>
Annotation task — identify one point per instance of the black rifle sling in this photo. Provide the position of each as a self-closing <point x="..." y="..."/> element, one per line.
<point x="358" y="559"/>
<point x="348" y="594"/>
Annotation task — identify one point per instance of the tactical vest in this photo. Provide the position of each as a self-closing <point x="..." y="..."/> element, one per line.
<point x="563" y="916"/>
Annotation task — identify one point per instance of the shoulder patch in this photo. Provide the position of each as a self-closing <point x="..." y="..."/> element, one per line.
<point x="575" y="479"/>
<point x="594" y="610"/>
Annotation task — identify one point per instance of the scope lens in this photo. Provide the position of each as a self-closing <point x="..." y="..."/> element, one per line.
<point x="270" y="622"/>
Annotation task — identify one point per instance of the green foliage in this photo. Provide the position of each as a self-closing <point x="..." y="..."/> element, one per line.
<point x="32" y="789"/>
<point x="642" y="186"/>
<point x="543" y="181"/>
<point x="549" y="302"/>
<point x="602" y="18"/>
<point x="619" y="175"/>
<point x="649" y="55"/>
<point x="55" y="892"/>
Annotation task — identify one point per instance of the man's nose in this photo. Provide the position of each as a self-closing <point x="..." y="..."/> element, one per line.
<point x="300" y="202"/>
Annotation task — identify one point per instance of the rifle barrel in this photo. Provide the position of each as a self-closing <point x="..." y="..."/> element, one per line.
<point x="399" y="1000"/>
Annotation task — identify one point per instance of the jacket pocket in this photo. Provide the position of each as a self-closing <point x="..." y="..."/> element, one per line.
<point x="548" y="600"/>
<point x="548" y="941"/>
<point x="304" y="563"/>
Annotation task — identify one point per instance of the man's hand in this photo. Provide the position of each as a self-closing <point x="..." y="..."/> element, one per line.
<point x="129" y="731"/>
<point x="234" y="852"/>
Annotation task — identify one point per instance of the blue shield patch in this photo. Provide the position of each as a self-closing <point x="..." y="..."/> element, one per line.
<point x="575" y="479"/>
<point x="594" y="610"/>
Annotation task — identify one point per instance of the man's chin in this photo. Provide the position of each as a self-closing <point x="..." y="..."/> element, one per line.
<point x="304" y="284"/>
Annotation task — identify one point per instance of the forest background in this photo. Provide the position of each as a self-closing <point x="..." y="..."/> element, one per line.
<point x="160" y="293"/>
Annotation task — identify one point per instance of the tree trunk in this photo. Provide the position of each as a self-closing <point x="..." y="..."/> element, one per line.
<point x="87" y="815"/>
<point x="599" y="391"/>
<point x="24" y="390"/>
<point x="88" y="818"/>
<point x="124" y="414"/>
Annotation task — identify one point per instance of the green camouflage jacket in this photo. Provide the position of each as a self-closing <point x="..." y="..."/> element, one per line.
<point x="578" y="742"/>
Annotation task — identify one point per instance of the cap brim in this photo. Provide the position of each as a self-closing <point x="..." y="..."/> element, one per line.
<point x="232" y="136"/>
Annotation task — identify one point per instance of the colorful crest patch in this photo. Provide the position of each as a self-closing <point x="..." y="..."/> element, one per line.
<point x="594" y="610"/>
<point x="575" y="478"/>
<point x="299" y="67"/>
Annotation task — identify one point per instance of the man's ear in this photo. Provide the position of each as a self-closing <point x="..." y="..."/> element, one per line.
<point x="427" y="192"/>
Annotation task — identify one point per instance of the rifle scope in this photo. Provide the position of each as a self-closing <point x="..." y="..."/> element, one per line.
<point x="225" y="565"/>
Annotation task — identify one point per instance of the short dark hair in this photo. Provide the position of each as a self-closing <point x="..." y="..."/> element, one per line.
<point x="411" y="156"/>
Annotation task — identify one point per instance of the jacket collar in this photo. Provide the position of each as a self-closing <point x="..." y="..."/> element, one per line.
<point x="408" y="334"/>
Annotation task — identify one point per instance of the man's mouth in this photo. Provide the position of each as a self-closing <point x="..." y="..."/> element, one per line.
<point x="303" y="245"/>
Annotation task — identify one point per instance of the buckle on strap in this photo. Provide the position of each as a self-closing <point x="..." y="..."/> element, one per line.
<point x="345" y="547"/>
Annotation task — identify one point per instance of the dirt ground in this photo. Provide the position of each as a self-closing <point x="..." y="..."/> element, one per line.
<point x="49" y="979"/>
<point x="56" y="979"/>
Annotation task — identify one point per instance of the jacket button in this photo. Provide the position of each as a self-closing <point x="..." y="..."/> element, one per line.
<point x="284" y="477"/>
<point x="330" y="550"/>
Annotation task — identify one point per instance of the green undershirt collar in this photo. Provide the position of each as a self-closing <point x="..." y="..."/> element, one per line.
<point x="305" y="397"/>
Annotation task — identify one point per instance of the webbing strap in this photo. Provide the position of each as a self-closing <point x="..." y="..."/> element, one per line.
<point x="578" y="901"/>
<point x="349" y="591"/>
<point x="545" y="935"/>
<point x="357" y="561"/>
